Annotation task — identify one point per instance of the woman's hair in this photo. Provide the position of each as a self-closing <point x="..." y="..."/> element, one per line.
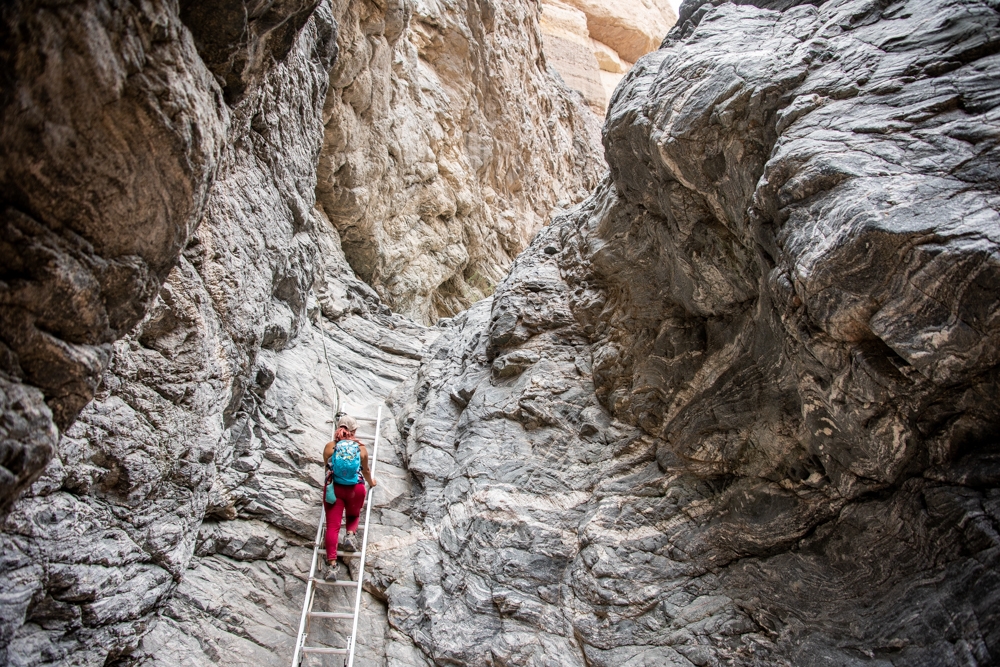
<point x="346" y="426"/>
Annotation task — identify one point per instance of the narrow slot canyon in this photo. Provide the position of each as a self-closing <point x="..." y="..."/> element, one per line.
<point x="684" y="324"/>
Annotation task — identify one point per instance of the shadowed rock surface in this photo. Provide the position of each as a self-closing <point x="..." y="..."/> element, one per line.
<point x="104" y="537"/>
<point x="113" y="129"/>
<point x="109" y="143"/>
<point x="739" y="407"/>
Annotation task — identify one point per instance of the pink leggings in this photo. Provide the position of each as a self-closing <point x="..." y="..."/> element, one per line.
<point x="350" y="498"/>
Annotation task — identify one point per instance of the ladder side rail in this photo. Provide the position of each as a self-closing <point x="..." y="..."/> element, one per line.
<point x="364" y="545"/>
<point x="307" y="602"/>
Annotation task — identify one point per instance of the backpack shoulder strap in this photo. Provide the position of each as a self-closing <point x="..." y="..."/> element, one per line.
<point x="333" y="455"/>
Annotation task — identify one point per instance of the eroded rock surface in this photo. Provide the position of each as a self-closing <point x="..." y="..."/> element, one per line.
<point x="109" y="142"/>
<point x="103" y="538"/>
<point x="593" y="43"/>
<point x="447" y="146"/>
<point x="570" y="51"/>
<point x="163" y="254"/>
<point x="739" y="407"/>
<point x="633" y="29"/>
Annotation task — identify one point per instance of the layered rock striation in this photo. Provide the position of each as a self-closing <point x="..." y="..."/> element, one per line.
<point x="593" y="43"/>
<point x="739" y="407"/>
<point x="447" y="146"/>
<point x="170" y="524"/>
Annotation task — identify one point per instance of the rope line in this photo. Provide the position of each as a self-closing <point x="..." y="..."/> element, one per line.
<point x="305" y="620"/>
<point x="329" y="369"/>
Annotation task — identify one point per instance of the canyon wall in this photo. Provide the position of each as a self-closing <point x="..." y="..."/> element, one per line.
<point x="736" y="407"/>
<point x="109" y="145"/>
<point x="165" y="266"/>
<point x="593" y="43"/>
<point x="739" y="407"/>
<point x="101" y="540"/>
<point x="447" y="146"/>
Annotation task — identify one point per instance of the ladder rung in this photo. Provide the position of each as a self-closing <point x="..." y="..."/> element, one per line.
<point x="344" y="554"/>
<point x="339" y="551"/>
<point x="360" y="527"/>
<point x="323" y="649"/>
<point x="320" y="545"/>
<point x="331" y="614"/>
<point x="339" y="582"/>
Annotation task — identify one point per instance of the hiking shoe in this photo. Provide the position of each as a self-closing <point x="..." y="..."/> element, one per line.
<point x="350" y="542"/>
<point x="332" y="571"/>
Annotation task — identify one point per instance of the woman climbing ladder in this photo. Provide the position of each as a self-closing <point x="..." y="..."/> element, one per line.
<point x="346" y="461"/>
<point x="314" y="579"/>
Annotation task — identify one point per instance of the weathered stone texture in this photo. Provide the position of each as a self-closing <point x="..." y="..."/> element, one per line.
<point x="571" y="52"/>
<point x="447" y="147"/>
<point x="633" y="29"/>
<point x="106" y="534"/>
<point x="592" y="43"/>
<point x="160" y="185"/>
<point x="111" y="129"/>
<point x="239" y="41"/>
<point x="739" y="407"/>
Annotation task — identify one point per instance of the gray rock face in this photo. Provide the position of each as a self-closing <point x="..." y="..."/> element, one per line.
<point x="739" y="406"/>
<point x="239" y="41"/>
<point x="104" y="537"/>
<point x="448" y="144"/>
<point x="113" y="130"/>
<point x="109" y="143"/>
<point x="166" y="261"/>
<point x="241" y="594"/>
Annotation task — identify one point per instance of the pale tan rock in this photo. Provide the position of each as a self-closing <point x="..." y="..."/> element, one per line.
<point x="610" y="81"/>
<point x="632" y="29"/>
<point x="447" y="147"/>
<point x="586" y="40"/>
<point x="573" y="58"/>
<point x="568" y="49"/>
<point x="613" y="68"/>
<point x="578" y="68"/>
<point x="608" y="59"/>
<point x="560" y="20"/>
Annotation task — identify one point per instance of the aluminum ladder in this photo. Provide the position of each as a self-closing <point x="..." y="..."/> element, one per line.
<point x="301" y="650"/>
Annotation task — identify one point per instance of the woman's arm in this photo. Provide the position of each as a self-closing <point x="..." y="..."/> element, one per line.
<point x="327" y="453"/>
<point x="364" y="468"/>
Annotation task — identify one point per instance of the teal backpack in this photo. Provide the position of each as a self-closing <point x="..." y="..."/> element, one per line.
<point x="345" y="463"/>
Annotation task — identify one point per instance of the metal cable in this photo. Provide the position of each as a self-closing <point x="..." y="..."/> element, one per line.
<point x="329" y="369"/>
